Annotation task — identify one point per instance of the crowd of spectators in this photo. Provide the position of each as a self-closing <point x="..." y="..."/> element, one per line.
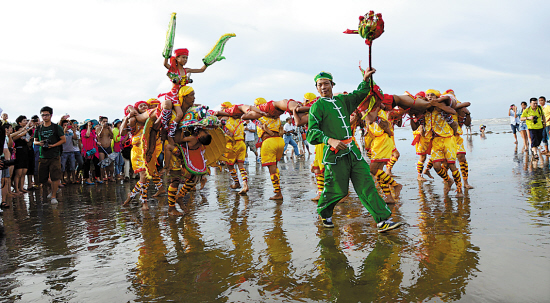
<point x="532" y="121"/>
<point x="38" y="152"/>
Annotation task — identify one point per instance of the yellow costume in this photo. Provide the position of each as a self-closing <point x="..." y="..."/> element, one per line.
<point x="458" y="138"/>
<point x="443" y="144"/>
<point x="138" y="164"/>
<point x="272" y="147"/>
<point x="318" y="160"/>
<point x="235" y="144"/>
<point x="137" y="157"/>
<point x="318" y="164"/>
<point x="423" y="146"/>
<point x="382" y="145"/>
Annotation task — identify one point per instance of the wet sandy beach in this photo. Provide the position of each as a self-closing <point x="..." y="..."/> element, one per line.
<point x="490" y="246"/>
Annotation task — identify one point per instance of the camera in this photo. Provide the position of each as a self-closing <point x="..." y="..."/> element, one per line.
<point x="46" y="144"/>
<point x="7" y="163"/>
<point x="535" y="119"/>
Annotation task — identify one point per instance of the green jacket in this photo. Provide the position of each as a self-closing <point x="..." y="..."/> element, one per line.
<point x="330" y="118"/>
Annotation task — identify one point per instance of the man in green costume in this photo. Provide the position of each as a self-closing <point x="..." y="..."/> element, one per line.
<point x="329" y="123"/>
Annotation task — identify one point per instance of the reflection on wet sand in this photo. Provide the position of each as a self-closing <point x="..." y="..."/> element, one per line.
<point x="537" y="184"/>
<point x="447" y="259"/>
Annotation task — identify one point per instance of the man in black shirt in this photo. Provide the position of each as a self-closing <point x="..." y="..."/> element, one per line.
<point x="49" y="136"/>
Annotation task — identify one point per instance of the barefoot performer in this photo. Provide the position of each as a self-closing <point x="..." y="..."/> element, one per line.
<point x="463" y="118"/>
<point x="382" y="147"/>
<point x="135" y="120"/>
<point x="234" y="133"/>
<point x="187" y="166"/>
<point x="317" y="167"/>
<point x="272" y="145"/>
<point x="443" y="145"/>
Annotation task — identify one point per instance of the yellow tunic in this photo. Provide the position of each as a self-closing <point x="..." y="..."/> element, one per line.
<point x="318" y="160"/>
<point x="382" y="144"/>
<point x="235" y="143"/>
<point x="273" y="147"/>
<point x="137" y="158"/>
<point x="443" y="143"/>
<point x="273" y="124"/>
<point x="423" y="146"/>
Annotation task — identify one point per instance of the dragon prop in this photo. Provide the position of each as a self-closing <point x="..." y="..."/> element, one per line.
<point x="371" y="26"/>
<point x="169" y="44"/>
<point x="216" y="53"/>
<point x="198" y="116"/>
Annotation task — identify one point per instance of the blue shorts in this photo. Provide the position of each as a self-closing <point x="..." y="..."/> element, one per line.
<point x="515" y="128"/>
<point x="6" y="173"/>
<point x="522" y="126"/>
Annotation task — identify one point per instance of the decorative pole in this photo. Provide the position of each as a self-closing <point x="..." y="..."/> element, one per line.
<point x="371" y="26"/>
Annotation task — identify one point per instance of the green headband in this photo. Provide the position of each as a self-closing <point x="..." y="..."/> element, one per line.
<point x="323" y="75"/>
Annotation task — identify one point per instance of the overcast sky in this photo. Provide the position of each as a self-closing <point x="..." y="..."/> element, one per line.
<point x="91" y="58"/>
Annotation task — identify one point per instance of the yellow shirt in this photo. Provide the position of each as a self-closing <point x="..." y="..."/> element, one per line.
<point x="273" y="124"/>
<point x="546" y="110"/>
<point x="537" y="113"/>
<point x="440" y="126"/>
<point x="374" y="128"/>
<point x="236" y="127"/>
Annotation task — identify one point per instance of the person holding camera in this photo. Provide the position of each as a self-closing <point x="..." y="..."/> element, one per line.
<point x="21" y="138"/>
<point x="250" y="138"/>
<point x="104" y="136"/>
<point x="514" y="121"/>
<point x="290" y="130"/>
<point x="49" y="136"/>
<point x="534" y="117"/>
<point x="67" y="157"/>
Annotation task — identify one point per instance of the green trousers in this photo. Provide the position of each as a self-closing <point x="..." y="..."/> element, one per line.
<point x="337" y="185"/>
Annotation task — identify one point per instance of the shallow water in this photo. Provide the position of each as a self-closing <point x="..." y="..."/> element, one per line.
<point x="491" y="246"/>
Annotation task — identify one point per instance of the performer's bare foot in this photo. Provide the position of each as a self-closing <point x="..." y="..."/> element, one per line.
<point x="317" y="197"/>
<point x="467" y="185"/>
<point x="278" y="196"/>
<point x="447" y="186"/>
<point x="244" y="190"/>
<point x="459" y="193"/>
<point x="172" y="211"/>
<point x="159" y="192"/>
<point x="203" y="182"/>
<point x="427" y="173"/>
<point x="420" y="178"/>
<point x="235" y="185"/>
<point x="389" y="199"/>
<point x="127" y="200"/>
<point x="145" y="206"/>
<point x="397" y="190"/>
<point x="181" y="204"/>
